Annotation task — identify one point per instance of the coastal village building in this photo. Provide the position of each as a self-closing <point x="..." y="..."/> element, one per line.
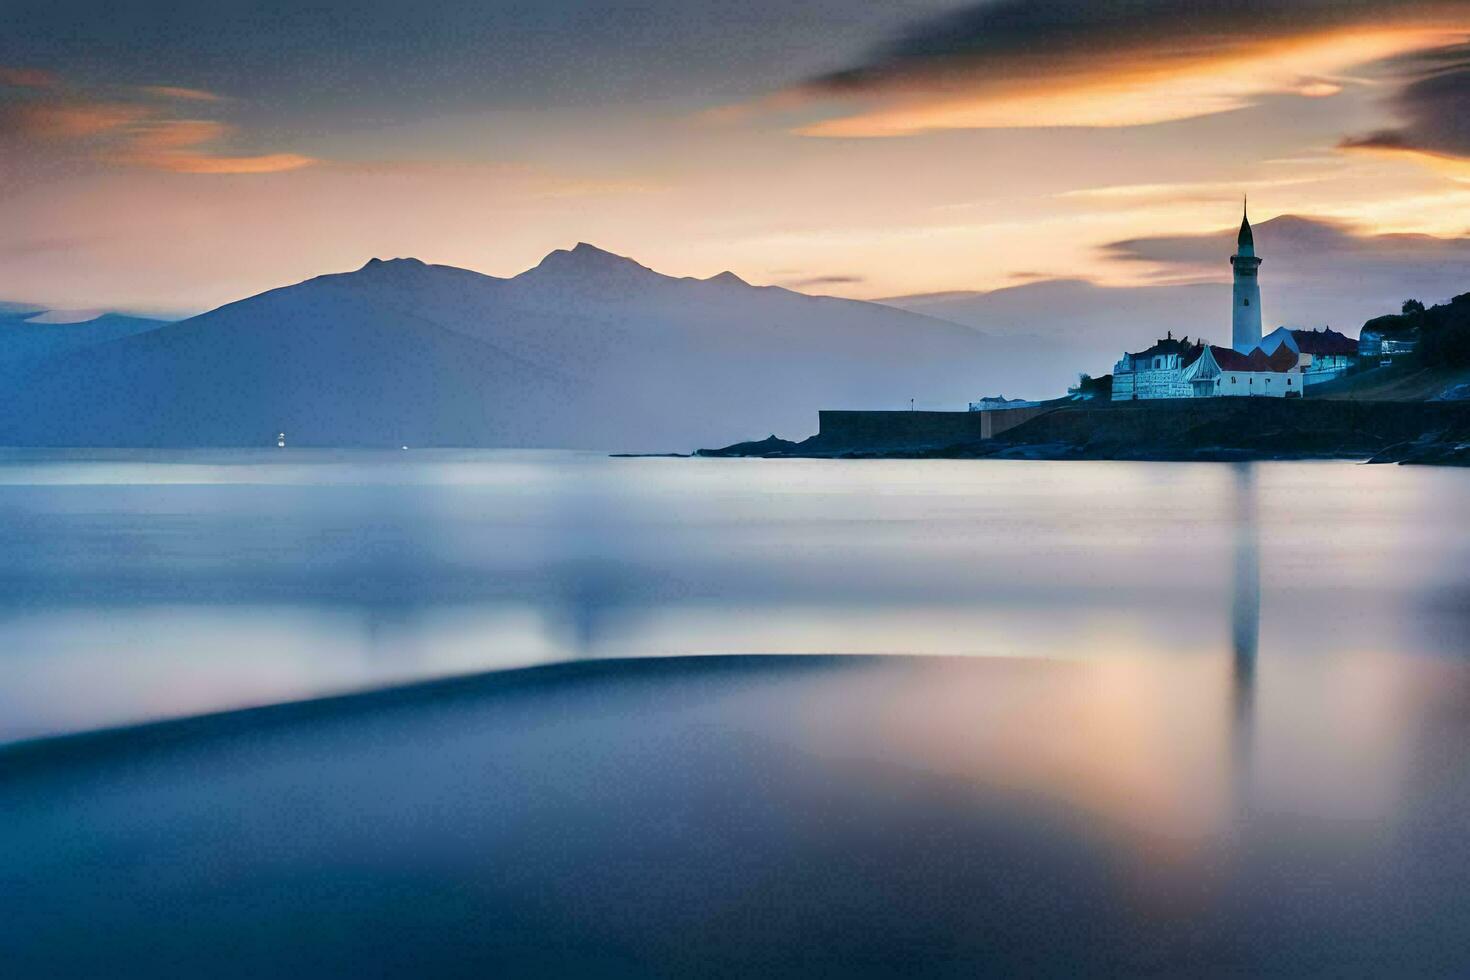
<point x="1322" y="354"/>
<point x="1384" y="346"/>
<point x="1157" y="372"/>
<point x="1280" y="365"/>
<point x="1227" y="373"/>
<point x="996" y="403"/>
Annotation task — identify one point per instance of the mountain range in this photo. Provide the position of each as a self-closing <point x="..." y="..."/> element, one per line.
<point x="585" y="350"/>
<point x="593" y="350"/>
<point x="30" y="335"/>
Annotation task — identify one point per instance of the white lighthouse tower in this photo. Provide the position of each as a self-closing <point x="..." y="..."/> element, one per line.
<point x="1245" y="333"/>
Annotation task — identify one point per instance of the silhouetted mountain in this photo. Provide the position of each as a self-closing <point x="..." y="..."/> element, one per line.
<point x="587" y="349"/>
<point x="24" y="343"/>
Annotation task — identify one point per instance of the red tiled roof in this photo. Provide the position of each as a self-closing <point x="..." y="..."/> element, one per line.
<point x="1282" y="360"/>
<point x="1256" y="361"/>
<point x="1324" y="342"/>
<point x="1229" y="360"/>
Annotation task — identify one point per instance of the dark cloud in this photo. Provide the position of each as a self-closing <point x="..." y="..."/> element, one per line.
<point x="1286" y="235"/>
<point x="1044" y="37"/>
<point x="1433" y="106"/>
<point x="1314" y="266"/>
<point x="814" y="281"/>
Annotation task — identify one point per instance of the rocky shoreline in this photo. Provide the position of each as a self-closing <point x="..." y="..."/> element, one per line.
<point x="1218" y="431"/>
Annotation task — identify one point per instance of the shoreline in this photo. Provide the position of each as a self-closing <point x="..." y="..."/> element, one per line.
<point x="1218" y="430"/>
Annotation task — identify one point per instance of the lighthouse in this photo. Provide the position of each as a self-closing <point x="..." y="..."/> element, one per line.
<point x="1245" y="333"/>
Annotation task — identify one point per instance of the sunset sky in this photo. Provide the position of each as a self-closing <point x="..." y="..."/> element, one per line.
<point x="177" y="154"/>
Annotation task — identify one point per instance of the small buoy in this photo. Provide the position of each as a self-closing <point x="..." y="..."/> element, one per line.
<point x="281" y="440"/>
<point x="405" y="447"/>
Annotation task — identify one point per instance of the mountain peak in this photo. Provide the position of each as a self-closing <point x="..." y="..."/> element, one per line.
<point x="588" y="260"/>
<point x="727" y="278"/>
<point x="387" y="264"/>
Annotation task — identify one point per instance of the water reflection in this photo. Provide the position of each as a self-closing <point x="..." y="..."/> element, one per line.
<point x="1245" y="621"/>
<point x="230" y="579"/>
<point x="1184" y="720"/>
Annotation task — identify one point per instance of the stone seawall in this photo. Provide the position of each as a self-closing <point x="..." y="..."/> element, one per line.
<point x="1352" y="427"/>
<point x="1187" y="429"/>
<point x="869" y="431"/>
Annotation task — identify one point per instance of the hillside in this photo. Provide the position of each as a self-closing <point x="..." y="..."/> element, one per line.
<point x="586" y="350"/>
<point x="1399" y="382"/>
<point x="24" y="343"/>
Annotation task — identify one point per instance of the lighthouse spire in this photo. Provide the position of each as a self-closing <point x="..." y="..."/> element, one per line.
<point x="1246" y="319"/>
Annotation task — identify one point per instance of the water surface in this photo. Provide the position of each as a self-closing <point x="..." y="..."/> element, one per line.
<point x="1077" y="718"/>
<point x="137" y="586"/>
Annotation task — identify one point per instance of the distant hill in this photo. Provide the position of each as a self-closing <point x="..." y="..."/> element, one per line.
<point x="24" y="342"/>
<point x="587" y="349"/>
<point x="1086" y="325"/>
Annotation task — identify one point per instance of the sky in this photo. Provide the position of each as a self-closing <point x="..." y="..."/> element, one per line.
<point x="173" y="155"/>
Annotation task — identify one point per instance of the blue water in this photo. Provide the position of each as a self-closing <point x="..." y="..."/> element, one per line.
<point x="1084" y="718"/>
<point x="137" y="586"/>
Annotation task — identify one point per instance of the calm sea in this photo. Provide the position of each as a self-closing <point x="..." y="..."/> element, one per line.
<point x="145" y="585"/>
<point x="1135" y="719"/>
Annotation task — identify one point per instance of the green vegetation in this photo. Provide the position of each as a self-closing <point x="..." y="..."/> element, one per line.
<point x="1097" y="389"/>
<point x="1443" y="331"/>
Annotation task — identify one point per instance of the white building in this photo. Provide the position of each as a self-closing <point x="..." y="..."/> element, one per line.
<point x="1225" y="372"/>
<point x="1245" y="321"/>
<point x="1157" y="372"/>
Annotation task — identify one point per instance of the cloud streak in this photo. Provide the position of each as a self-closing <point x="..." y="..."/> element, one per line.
<point x="134" y="133"/>
<point x="1299" y="249"/>
<point x="64" y="120"/>
<point x="180" y="92"/>
<point x="816" y="282"/>
<point x="181" y="146"/>
<point x="1028" y="63"/>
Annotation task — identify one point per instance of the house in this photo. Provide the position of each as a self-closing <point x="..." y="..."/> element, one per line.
<point x="1383" y="344"/>
<point x="996" y="402"/>
<point x="1157" y="372"/>
<point x="1225" y="372"/>
<point x="1321" y="354"/>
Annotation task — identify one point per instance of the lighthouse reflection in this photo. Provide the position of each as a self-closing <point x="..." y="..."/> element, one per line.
<point x="1245" y="621"/>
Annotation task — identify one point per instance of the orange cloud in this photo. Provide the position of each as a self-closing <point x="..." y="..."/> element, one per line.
<point x="1390" y="143"/>
<point x="269" y="163"/>
<point x="1128" y="87"/>
<point x="68" y="120"/>
<point x="1050" y="63"/>
<point x="179" y="92"/>
<point x="175" y="145"/>
<point x="132" y="133"/>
